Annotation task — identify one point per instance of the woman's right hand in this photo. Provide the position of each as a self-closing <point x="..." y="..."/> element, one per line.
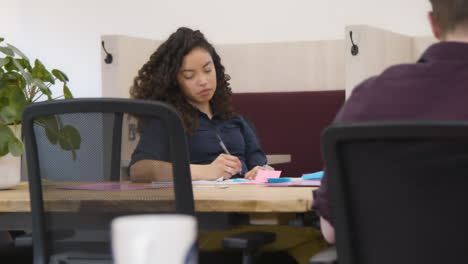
<point x="224" y="166"/>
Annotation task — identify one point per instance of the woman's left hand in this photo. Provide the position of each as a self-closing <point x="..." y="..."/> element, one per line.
<point x="253" y="172"/>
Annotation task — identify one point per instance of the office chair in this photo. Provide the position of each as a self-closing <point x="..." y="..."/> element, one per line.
<point x="69" y="231"/>
<point x="397" y="190"/>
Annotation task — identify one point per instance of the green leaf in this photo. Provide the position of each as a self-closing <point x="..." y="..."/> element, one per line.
<point x="4" y="100"/>
<point x="48" y="77"/>
<point x="5" y="136"/>
<point x="17" y="65"/>
<point x="69" y="138"/>
<point x="5" y="133"/>
<point x="18" y="102"/>
<point x="28" y="77"/>
<point x="7" y="51"/>
<point x="10" y="66"/>
<point x="14" y="79"/>
<point x="66" y="92"/>
<point x="25" y="64"/>
<point x="12" y="76"/>
<point x="8" y="114"/>
<point x="3" y="150"/>
<point x="2" y="39"/>
<point x="6" y="87"/>
<point x="51" y="128"/>
<point x="17" y="51"/>
<point x="44" y="89"/>
<point x="17" y="98"/>
<point x="60" y="75"/>
<point x="15" y="147"/>
<point x="4" y="61"/>
<point x="38" y="70"/>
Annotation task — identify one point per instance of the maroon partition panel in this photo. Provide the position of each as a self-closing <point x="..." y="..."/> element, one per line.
<point x="291" y="123"/>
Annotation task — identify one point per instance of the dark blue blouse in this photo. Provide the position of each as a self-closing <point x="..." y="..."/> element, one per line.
<point x="204" y="147"/>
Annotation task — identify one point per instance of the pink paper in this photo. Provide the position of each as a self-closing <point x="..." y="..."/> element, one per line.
<point x="303" y="183"/>
<point x="264" y="175"/>
<point x="109" y="187"/>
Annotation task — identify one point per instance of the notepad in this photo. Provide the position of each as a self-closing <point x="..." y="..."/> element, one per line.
<point x="264" y="175"/>
<point x="300" y="183"/>
<point x="280" y="180"/>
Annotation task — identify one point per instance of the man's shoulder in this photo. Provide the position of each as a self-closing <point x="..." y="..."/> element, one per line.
<point x="399" y="72"/>
<point x="404" y="71"/>
<point x="367" y="98"/>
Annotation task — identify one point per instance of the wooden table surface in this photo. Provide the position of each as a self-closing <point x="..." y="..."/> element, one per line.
<point x="208" y="198"/>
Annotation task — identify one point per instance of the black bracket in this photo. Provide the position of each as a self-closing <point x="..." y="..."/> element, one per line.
<point x="354" y="47"/>
<point x="109" y="58"/>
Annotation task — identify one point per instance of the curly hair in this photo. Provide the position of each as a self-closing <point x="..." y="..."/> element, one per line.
<point x="157" y="79"/>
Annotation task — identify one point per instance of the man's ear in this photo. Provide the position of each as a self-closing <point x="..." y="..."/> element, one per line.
<point x="434" y="27"/>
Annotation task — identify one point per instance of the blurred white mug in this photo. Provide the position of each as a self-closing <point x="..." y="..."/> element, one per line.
<point x="158" y="238"/>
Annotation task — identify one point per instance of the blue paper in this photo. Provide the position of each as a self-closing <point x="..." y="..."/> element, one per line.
<point x="313" y="176"/>
<point x="279" y="180"/>
<point x="240" y="180"/>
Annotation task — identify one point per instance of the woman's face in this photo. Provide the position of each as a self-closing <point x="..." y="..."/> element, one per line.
<point x="197" y="77"/>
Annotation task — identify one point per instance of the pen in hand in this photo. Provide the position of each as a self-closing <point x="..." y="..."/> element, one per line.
<point x="221" y="143"/>
<point x="223" y="146"/>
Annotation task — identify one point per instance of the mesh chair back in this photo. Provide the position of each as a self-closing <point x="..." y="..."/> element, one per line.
<point x="398" y="190"/>
<point x="75" y="144"/>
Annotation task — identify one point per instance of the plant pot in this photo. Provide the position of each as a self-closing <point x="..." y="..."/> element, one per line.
<point x="10" y="166"/>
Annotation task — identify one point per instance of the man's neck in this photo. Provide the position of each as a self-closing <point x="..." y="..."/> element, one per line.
<point x="456" y="39"/>
<point x="460" y="35"/>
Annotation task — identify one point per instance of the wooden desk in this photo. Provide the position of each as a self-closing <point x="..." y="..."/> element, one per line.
<point x="235" y="198"/>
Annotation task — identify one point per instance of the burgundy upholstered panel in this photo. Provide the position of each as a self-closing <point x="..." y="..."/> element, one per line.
<point x="291" y="123"/>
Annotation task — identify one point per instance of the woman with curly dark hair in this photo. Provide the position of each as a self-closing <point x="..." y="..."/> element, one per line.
<point x="186" y="72"/>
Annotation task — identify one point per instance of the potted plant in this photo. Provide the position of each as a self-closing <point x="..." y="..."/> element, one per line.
<point x="23" y="82"/>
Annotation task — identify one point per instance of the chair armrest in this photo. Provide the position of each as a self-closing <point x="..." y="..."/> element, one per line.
<point x="24" y="240"/>
<point x="249" y="240"/>
<point x="326" y="256"/>
<point x="278" y="158"/>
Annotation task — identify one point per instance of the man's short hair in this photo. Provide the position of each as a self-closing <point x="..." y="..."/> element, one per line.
<point x="450" y="14"/>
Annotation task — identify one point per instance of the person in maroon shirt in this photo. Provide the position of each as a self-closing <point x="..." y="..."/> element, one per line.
<point x="434" y="88"/>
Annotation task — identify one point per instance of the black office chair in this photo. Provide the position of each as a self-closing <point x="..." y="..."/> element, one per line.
<point x="68" y="232"/>
<point x="397" y="190"/>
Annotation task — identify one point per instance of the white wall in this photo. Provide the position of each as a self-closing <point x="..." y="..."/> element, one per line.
<point x="65" y="34"/>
